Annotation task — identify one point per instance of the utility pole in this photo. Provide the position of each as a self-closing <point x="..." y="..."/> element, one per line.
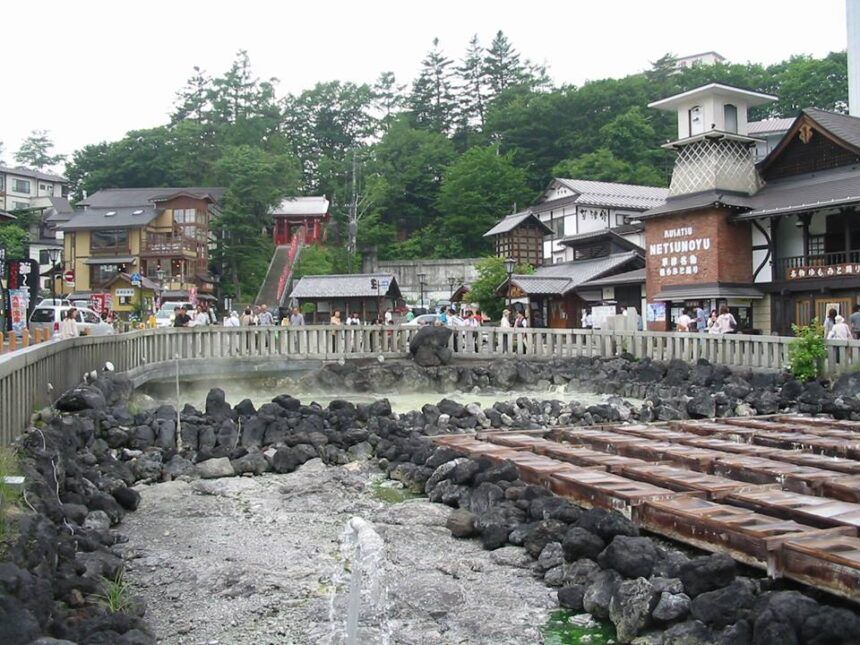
<point x="352" y="225"/>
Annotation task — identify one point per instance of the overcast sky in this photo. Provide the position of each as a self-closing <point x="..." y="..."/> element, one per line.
<point x="89" y="70"/>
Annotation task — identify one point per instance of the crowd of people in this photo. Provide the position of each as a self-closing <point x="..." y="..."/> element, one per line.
<point x="696" y="319"/>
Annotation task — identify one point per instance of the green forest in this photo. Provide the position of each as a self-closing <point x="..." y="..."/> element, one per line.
<point x="426" y="165"/>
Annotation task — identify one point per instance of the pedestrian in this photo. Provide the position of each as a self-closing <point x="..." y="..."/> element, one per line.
<point x="840" y="330"/>
<point x="469" y="320"/>
<point x="854" y="320"/>
<point x="335" y="319"/>
<point x="682" y="323"/>
<point x="265" y="318"/>
<point x="520" y="321"/>
<point x="587" y="320"/>
<point x="389" y="317"/>
<point x="712" y="319"/>
<point x="247" y="319"/>
<point x="443" y="316"/>
<point x="296" y="318"/>
<point x="829" y="322"/>
<point x="410" y="316"/>
<point x="201" y="318"/>
<point x="353" y="319"/>
<point x="69" y="326"/>
<point x="506" y="319"/>
<point x="701" y="320"/>
<point x="181" y="319"/>
<point x="232" y="320"/>
<point x="725" y="323"/>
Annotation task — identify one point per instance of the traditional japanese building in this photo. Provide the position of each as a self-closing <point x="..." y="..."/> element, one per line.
<point x="777" y="242"/>
<point x="520" y="236"/>
<point x="302" y="217"/>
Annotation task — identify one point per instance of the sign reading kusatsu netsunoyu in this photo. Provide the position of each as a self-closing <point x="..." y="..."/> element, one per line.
<point x="679" y="254"/>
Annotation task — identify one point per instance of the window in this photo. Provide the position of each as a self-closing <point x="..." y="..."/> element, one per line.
<point x="110" y="239"/>
<point x="557" y="226"/>
<point x="21" y="186"/>
<point x="20" y="206"/>
<point x="45" y="188"/>
<point x="88" y="317"/>
<point x="591" y="251"/>
<point x="44" y="257"/>
<point x="101" y="273"/>
<point x="730" y="116"/>
<point x="816" y="245"/>
<point x="621" y="219"/>
<point x="697" y="120"/>
<point x="42" y="316"/>
<point x="2" y="182"/>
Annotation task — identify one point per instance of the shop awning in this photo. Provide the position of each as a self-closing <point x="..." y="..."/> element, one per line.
<point x="123" y="259"/>
<point x="701" y="292"/>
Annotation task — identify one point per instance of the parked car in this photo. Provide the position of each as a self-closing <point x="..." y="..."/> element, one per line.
<point x="164" y="317"/>
<point x="422" y="320"/>
<point x="47" y="318"/>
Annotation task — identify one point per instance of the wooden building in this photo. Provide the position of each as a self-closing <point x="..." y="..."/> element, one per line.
<point x="777" y="242"/>
<point x="367" y="294"/>
<point x="302" y="217"/>
<point x="520" y="237"/>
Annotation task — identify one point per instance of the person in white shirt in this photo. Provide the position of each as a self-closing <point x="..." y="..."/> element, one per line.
<point x="725" y="323"/>
<point x="201" y="318"/>
<point x="840" y="330"/>
<point x="389" y="317"/>
<point x="506" y="318"/>
<point x="232" y="320"/>
<point x="68" y="326"/>
<point x="683" y="322"/>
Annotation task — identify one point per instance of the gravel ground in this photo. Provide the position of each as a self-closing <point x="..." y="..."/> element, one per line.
<point x="253" y="560"/>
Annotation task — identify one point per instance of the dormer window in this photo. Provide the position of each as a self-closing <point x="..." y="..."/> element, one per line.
<point x="697" y="120"/>
<point x="730" y="118"/>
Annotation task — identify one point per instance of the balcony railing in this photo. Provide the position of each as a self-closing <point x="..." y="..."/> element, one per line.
<point x="168" y="246"/>
<point x="788" y="268"/>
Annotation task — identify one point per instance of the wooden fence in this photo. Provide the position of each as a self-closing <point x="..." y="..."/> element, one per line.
<point x="33" y="377"/>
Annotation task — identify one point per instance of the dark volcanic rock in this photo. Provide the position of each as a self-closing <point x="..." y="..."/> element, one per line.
<point x="542" y="534"/>
<point x="216" y="405"/>
<point x="707" y="573"/>
<point x="429" y="347"/>
<point x="723" y="607"/>
<point x="81" y="397"/>
<point x="461" y="523"/>
<point x="632" y="557"/>
<point x="286" y="460"/>
<point x="579" y="543"/>
<point x="571" y="597"/>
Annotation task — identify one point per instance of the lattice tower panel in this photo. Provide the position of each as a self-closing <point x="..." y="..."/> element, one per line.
<point x="710" y="164"/>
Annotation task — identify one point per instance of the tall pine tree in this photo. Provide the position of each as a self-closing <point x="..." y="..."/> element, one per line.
<point x="433" y="102"/>
<point x="388" y="98"/>
<point x="502" y="65"/>
<point x="473" y="87"/>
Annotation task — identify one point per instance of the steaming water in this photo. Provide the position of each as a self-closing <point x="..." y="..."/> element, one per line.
<point x="358" y="605"/>
<point x="262" y="391"/>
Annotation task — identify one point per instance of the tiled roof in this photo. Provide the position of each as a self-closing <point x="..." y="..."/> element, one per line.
<point x="561" y="278"/>
<point x="843" y="126"/>
<point x="606" y="233"/>
<point x="119" y="197"/>
<point x="695" y="201"/>
<point x="93" y="218"/>
<point x="510" y="222"/>
<point x="628" y="277"/>
<point x="609" y="194"/>
<point x="769" y="126"/>
<point x="21" y="171"/>
<point x="357" y="285"/>
<point x="836" y="187"/>
<point x="314" y="205"/>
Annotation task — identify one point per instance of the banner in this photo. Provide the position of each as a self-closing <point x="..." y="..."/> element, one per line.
<point x="18" y="301"/>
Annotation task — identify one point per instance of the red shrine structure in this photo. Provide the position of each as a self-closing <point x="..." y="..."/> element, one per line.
<point x="302" y="218"/>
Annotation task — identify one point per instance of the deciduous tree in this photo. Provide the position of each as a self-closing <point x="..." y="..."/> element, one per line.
<point x="35" y="151"/>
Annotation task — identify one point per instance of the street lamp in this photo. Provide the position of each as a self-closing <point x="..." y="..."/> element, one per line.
<point x="54" y="256"/>
<point x="510" y="265"/>
<point x="160" y="275"/>
<point x="451" y="282"/>
<point x="421" y="277"/>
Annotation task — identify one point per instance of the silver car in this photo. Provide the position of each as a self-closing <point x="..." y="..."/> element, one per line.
<point x="49" y="317"/>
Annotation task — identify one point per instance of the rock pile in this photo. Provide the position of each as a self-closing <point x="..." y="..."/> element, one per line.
<point x="80" y="466"/>
<point x="602" y="565"/>
<point x="671" y="390"/>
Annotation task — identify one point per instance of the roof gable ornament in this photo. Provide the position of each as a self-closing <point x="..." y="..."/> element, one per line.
<point x="805" y="133"/>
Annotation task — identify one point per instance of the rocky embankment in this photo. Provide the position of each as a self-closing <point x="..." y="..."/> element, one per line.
<point x="82" y="460"/>
<point x="671" y="390"/>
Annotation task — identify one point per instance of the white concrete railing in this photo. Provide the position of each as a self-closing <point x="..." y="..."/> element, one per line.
<point x="25" y="375"/>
